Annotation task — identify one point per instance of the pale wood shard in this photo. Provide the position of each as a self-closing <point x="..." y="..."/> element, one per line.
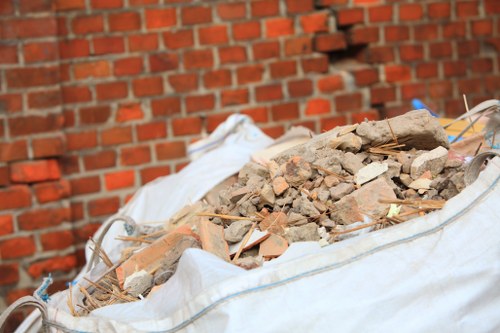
<point x="273" y="247"/>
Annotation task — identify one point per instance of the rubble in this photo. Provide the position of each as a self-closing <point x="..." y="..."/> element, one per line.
<point x="342" y="183"/>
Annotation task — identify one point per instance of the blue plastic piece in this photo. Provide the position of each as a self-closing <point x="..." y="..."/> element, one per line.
<point x="418" y="104"/>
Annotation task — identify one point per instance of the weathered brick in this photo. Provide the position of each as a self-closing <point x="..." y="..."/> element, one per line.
<point x="281" y="69"/>
<point x="34" y="171"/>
<point x="74" y="48"/>
<point x="108" y="45"/>
<point x="116" y="135"/>
<point x="166" y="106"/>
<point x="119" y="179"/>
<point x="148" y="86"/>
<point x="195" y="103"/>
<point x="52" y="191"/>
<point x="163" y="62"/>
<point x="266" y="50"/>
<point x="17" y="247"/>
<point x="151" y="131"/>
<point x="143" y="42"/>
<point x="103" y="206"/>
<point x="348" y="102"/>
<point x="45" y="99"/>
<point x="52" y="265"/>
<point x="186" y="126"/>
<point x="318" y="106"/>
<point x="196" y="15"/>
<point x="128" y="66"/>
<point x="249" y="74"/>
<point x="111" y="90"/>
<point x="95" y="69"/>
<point x="10" y="273"/>
<point x="330" y="83"/>
<point x="178" y="39"/>
<point x="58" y="240"/>
<point x="298" y="46"/>
<point x="285" y="111"/>
<point x="217" y="78"/>
<point x="32" y="77"/>
<point x="271" y="92"/>
<point x="34" y="52"/>
<point x="13" y="151"/>
<point x="197" y="59"/>
<point x="232" y="54"/>
<point x="128" y="112"/>
<point x="100" y="160"/>
<point x="170" y="150"/>
<point x="94" y="114"/>
<point x="125" y="21"/>
<point x="151" y="173"/>
<point x="300" y="88"/>
<point x="160" y="18"/>
<point x="88" y="24"/>
<point x="231" y="11"/>
<point x="314" y="23"/>
<point x="278" y="27"/>
<point x="234" y="97"/>
<point x="6" y="225"/>
<point x="135" y="155"/>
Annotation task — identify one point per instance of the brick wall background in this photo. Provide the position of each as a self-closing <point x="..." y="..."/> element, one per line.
<point x="98" y="97"/>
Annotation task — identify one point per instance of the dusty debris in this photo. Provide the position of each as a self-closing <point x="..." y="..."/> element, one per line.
<point x="305" y="233"/>
<point x="235" y="232"/>
<point x="433" y="161"/>
<point x="138" y="283"/>
<point x="371" y="171"/>
<point x="273" y="247"/>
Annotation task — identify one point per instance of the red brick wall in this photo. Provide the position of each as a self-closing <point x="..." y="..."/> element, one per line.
<point x="98" y="97"/>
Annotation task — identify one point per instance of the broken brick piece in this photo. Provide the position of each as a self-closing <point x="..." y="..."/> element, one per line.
<point x="212" y="239"/>
<point x="273" y="247"/>
<point x="275" y="223"/>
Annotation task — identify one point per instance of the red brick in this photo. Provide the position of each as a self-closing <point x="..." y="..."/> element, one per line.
<point x="32" y="77"/>
<point x="117" y="135"/>
<point x="484" y="65"/>
<point x="17" y="247"/>
<point x="111" y="90"/>
<point x="83" y="234"/>
<point x="43" y="218"/>
<point x="17" y="196"/>
<point x="108" y="45"/>
<point x="81" y="140"/>
<point x="10" y="102"/>
<point x="74" y="48"/>
<point x="143" y="42"/>
<point x="258" y="114"/>
<point x="231" y="11"/>
<point x="299" y="6"/>
<point x="178" y="39"/>
<point x="282" y="69"/>
<point x="52" y="265"/>
<point x="8" y="54"/>
<point x="170" y="150"/>
<point x="427" y="70"/>
<point x="314" y="23"/>
<point x="58" y="240"/>
<point x="6" y="7"/>
<point x="359" y="117"/>
<point x="151" y="173"/>
<point x="75" y="94"/>
<point x="108" y="4"/>
<point x="45" y="147"/>
<point x="382" y="94"/>
<point x="163" y="62"/>
<point x="246" y="30"/>
<point x="166" y="106"/>
<point x="100" y="160"/>
<point x="397" y="73"/>
<point x="213" y="121"/>
<point x="350" y="16"/>
<point x="330" y="83"/>
<point x="441" y="50"/>
<point x="45" y="99"/>
<point x="52" y="191"/>
<point x="94" y="114"/>
<point x="196" y="103"/>
<point x="126" y="21"/>
<point x="380" y="13"/>
<point x="492" y="85"/>
<point x="363" y="35"/>
<point x="470" y="86"/>
<point x="380" y="54"/>
<point x="94" y="69"/>
<point x="318" y="106"/>
<point x="128" y="66"/>
<point x="267" y="93"/>
<point x="198" y="59"/>
<point x="332" y="122"/>
<point x="492" y="6"/>
<point x="266" y="50"/>
<point x="196" y="15"/>
<point x="33" y="6"/>
<point x="467" y="48"/>
<point x="13" y="151"/>
<point x="34" y="52"/>
<point x="366" y="76"/>
<point x="482" y="28"/>
<point x="187" y="126"/>
<point x="183" y="82"/>
<point x="440" y="89"/>
<point x="151" y="131"/>
<point x="6" y="225"/>
<point x="148" y="86"/>
<point x="214" y="34"/>
<point x="103" y="206"/>
<point x="135" y="155"/>
<point x="129" y="111"/>
<point x="274" y="131"/>
<point x="411" y="52"/>
<point x="285" y="111"/>
<point x="410" y="12"/>
<point x="69" y="164"/>
<point x="143" y="2"/>
<point x="234" y="97"/>
<point x="35" y="124"/>
<point x="454" y="68"/>
<point x="315" y="65"/>
<point x="10" y="273"/>
<point x="22" y="28"/>
<point x="279" y="27"/>
<point x="298" y="46"/>
<point x="439" y="10"/>
<point x="262" y="8"/>
<point x="233" y="54"/>
<point x="160" y="18"/>
<point x="14" y="295"/>
<point x="300" y="88"/>
<point x="217" y="79"/>
<point x="466" y="8"/>
<point x="396" y="33"/>
<point x="83" y="25"/>
<point x="348" y="102"/>
<point x="249" y="74"/>
<point x="454" y="29"/>
<point x="34" y="171"/>
<point x="119" y="179"/>
<point x="330" y="42"/>
<point x="426" y="32"/>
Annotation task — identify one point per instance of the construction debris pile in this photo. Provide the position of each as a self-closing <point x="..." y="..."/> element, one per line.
<point x="351" y="180"/>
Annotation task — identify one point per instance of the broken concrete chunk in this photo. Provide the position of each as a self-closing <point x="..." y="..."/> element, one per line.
<point x="249" y="262"/>
<point x="250" y="169"/>
<point x="296" y="219"/>
<point x="394" y="169"/>
<point x="305" y="207"/>
<point x="405" y="179"/>
<point x="421" y="184"/>
<point x="321" y="207"/>
<point x="274" y="169"/>
<point x="347" y="142"/>
<point x="341" y="190"/>
<point x="305" y="233"/>
<point x="237" y="230"/>
<point x="273" y="247"/>
<point x="433" y="161"/>
<point x="351" y="163"/>
<point x="346" y="211"/>
<point x="236" y="195"/>
<point x="137" y="283"/>
<point x="369" y="172"/>
<point x="296" y="171"/>
<point x="331" y="181"/>
<point x="247" y="208"/>
<point x="323" y="195"/>
<point x="416" y="129"/>
<point x="280" y="185"/>
<point x="267" y="195"/>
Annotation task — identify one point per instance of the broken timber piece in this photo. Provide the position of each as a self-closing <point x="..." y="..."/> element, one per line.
<point x="415" y="129"/>
<point x="151" y="257"/>
<point x="212" y="239"/>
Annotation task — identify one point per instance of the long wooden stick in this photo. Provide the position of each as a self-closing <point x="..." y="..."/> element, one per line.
<point x="228" y="217"/>
<point x="244" y="242"/>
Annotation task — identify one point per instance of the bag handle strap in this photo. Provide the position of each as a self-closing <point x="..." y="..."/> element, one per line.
<point x="26" y="301"/>
<point x="474" y="167"/>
